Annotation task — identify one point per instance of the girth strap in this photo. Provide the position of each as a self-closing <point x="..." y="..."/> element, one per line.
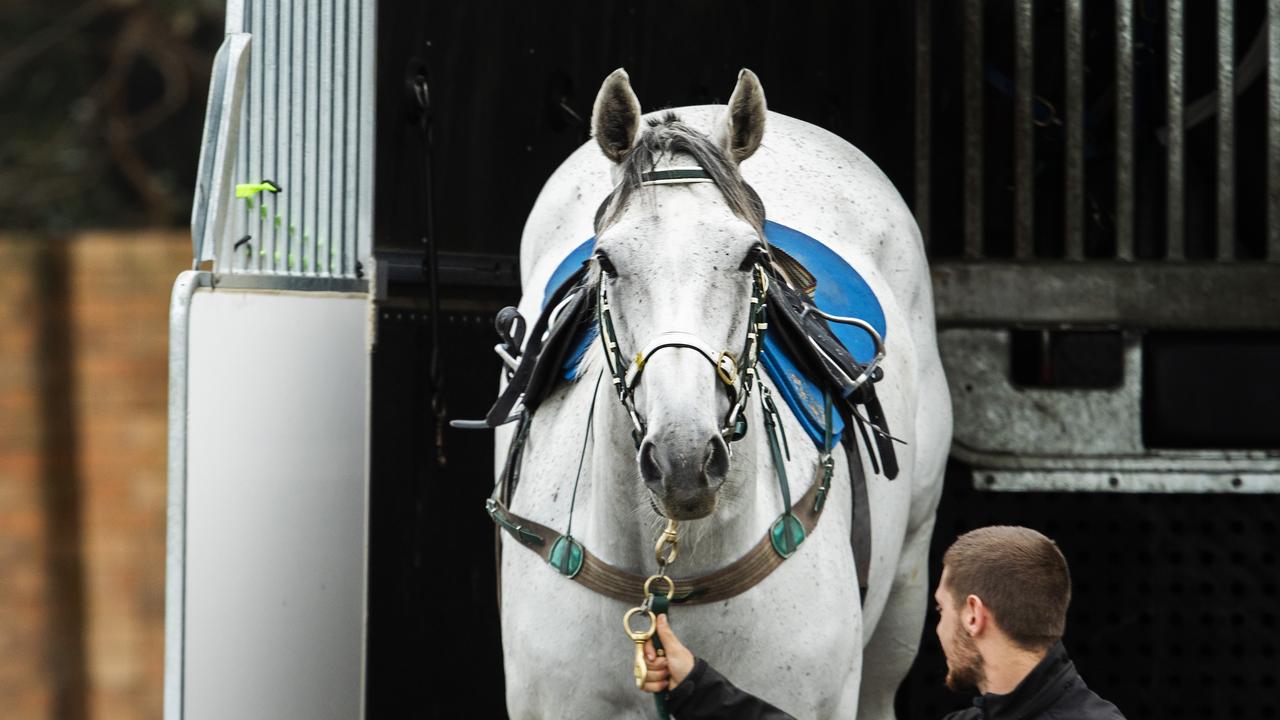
<point x="860" y="536"/>
<point x="599" y="576"/>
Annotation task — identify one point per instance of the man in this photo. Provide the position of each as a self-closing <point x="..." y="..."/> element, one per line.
<point x="1002" y="605"/>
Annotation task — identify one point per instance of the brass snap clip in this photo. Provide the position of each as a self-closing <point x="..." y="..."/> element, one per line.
<point x="667" y="547"/>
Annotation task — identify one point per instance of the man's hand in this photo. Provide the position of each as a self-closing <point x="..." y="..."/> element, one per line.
<point x="665" y="673"/>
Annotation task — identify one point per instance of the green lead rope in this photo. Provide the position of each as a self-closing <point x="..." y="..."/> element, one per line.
<point x="659" y="604"/>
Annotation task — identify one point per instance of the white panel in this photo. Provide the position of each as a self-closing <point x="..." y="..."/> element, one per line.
<point x="276" y="513"/>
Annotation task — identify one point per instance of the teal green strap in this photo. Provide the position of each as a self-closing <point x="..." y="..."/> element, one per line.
<point x="566" y="554"/>
<point x="659" y="604"/>
<point x="771" y="410"/>
<point x="787" y="532"/>
<point x="519" y="532"/>
<point x="779" y="462"/>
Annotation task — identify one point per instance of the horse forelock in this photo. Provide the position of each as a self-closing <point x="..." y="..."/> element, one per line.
<point x="666" y="137"/>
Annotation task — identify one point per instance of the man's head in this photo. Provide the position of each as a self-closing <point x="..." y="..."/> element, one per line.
<point x="1002" y="588"/>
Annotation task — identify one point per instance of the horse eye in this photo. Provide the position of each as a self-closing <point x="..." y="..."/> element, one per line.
<point x="606" y="265"/>
<point x="754" y="255"/>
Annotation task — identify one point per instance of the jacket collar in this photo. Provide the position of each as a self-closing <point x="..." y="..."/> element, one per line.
<point x="1046" y="682"/>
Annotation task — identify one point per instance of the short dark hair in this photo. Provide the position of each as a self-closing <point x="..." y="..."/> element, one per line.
<point x="1019" y="574"/>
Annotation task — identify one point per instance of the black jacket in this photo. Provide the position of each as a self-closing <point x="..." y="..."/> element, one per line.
<point x="1053" y="690"/>
<point x="707" y="695"/>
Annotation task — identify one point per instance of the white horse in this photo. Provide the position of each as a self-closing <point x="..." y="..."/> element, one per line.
<point x="800" y="638"/>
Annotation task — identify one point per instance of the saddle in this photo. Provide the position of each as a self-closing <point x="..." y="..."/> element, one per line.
<point x="804" y="355"/>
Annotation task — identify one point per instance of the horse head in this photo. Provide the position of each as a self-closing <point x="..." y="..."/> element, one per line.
<point x="678" y="242"/>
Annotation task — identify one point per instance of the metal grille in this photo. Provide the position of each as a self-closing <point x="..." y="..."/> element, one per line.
<point x="1106" y="167"/>
<point x="307" y="126"/>
<point x="992" y="28"/>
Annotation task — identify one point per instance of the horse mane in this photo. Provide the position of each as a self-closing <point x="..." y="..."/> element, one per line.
<point x="666" y="136"/>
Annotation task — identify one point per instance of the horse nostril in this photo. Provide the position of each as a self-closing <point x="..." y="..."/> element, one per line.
<point x="650" y="471"/>
<point x="716" y="466"/>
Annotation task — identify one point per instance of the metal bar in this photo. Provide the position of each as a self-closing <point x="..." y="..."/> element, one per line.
<point x="175" y="583"/>
<point x="324" y="148"/>
<point x="1073" y="210"/>
<point x="239" y="210"/>
<point x="340" y="139"/>
<point x="297" y="108"/>
<point x="1124" y="129"/>
<point x="307" y="261"/>
<point x="234" y="17"/>
<point x="1273" y="130"/>
<point x="363" y="238"/>
<point x="924" y="73"/>
<point x="350" y="142"/>
<point x="1152" y="294"/>
<point x="212" y="215"/>
<point x="973" y="129"/>
<point x="272" y="114"/>
<point x="1174" y="236"/>
<point x="1226" y="131"/>
<point x="257" y="113"/>
<point x="290" y="283"/>
<point x="1023" y="148"/>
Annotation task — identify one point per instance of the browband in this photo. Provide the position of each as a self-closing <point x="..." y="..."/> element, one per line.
<point x="675" y="176"/>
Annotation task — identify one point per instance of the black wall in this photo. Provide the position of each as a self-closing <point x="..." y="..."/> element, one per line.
<point x="1175" y="596"/>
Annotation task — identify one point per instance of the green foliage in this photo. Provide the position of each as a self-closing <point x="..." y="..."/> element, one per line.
<point x="101" y="110"/>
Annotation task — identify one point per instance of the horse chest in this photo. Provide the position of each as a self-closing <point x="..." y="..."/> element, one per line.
<point x="794" y="639"/>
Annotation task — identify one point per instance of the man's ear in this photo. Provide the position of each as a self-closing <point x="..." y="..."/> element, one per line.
<point x="975" y="616"/>
<point x="741" y="128"/>
<point x="615" y="117"/>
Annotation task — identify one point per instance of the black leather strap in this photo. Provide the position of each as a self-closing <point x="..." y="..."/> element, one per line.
<point x="860" y="536"/>
<point x="534" y="364"/>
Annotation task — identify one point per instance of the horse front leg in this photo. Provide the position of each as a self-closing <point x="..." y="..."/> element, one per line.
<point x="888" y="656"/>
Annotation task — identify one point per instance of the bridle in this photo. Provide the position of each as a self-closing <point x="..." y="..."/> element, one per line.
<point x="736" y="373"/>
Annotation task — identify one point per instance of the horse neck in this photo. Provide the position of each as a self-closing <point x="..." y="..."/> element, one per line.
<point x="622" y="524"/>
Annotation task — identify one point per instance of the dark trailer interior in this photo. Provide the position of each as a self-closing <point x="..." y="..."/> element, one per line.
<point x="1174" y="610"/>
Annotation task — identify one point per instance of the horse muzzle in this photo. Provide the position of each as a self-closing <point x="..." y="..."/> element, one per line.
<point x="684" y="474"/>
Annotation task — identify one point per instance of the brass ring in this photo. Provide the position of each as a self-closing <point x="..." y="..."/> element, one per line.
<point x="671" y="585"/>
<point x="639" y="636"/>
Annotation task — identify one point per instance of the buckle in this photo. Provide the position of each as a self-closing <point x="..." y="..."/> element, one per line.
<point x="727" y="368"/>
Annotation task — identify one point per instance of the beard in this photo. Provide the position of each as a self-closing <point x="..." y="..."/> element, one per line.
<point x="965" y="670"/>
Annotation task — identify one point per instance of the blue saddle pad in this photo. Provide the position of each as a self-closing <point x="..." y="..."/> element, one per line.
<point x="841" y="291"/>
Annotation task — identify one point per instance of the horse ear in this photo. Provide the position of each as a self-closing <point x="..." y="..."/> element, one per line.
<point x="615" y="118"/>
<point x="742" y="126"/>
